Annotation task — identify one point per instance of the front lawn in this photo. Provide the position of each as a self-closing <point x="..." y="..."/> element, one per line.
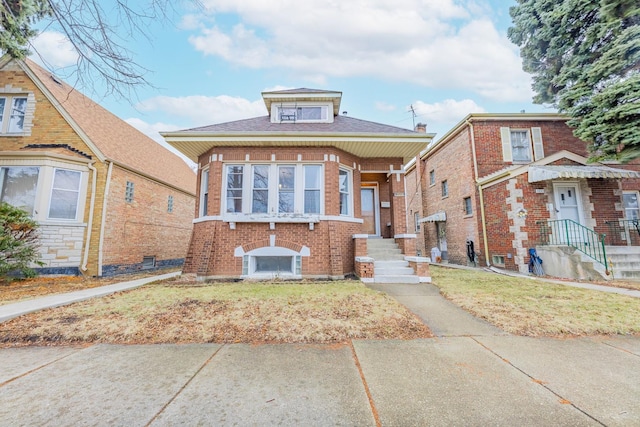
<point x="181" y="311"/>
<point x="523" y="306"/>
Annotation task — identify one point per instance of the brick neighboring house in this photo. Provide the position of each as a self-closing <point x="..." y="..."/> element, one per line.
<point x="509" y="182"/>
<point x="298" y="192"/>
<point x="108" y="199"/>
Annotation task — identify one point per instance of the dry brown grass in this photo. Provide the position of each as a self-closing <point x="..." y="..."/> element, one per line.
<point x="24" y="289"/>
<point x="177" y="311"/>
<point x="530" y="307"/>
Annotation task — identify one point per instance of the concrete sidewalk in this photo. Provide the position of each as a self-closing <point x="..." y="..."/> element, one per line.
<point x="471" y="381"/>
<point x="9" y="311"/>
<point x="473" y="374"/>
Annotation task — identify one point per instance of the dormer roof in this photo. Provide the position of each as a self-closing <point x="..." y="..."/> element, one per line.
<point x="303" y="95"/>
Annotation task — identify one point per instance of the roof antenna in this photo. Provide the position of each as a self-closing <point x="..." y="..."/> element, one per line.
<point x="413" y="115"/>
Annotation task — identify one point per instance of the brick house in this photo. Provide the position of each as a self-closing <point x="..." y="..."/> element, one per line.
<point x="521" y="181"/>
<point x="296" y="193"/>
<point x="108" y="199"/>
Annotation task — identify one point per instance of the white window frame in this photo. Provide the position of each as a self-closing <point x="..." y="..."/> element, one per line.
<point x="204" y="191"/>
<point x="44" y="186"/>
<point x="77" y="191"/>
<point x="306" y="188"/>
<point x="272" y="187"/>
<point x="535" y="147"/>
<point x="7" y="112"/>
<point x="637" y="209"/>
<point x="291" y="112"/>
<point x="444" y="188"/>
<point x="249" y="263"/>
<point x="349" y="192"/>
<point x="525" y="144"/>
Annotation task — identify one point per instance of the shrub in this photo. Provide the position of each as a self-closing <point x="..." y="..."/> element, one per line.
<point x="18" y="241"/>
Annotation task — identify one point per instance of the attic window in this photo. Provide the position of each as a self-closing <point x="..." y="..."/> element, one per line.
<point x="303" y="114"/>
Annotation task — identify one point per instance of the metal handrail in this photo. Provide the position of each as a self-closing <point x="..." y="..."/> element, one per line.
<point x="565" y="232"/>
<point x="623" y="232"/>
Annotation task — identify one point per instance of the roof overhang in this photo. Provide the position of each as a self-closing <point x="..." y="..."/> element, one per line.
<point x="405" y="146"/>
<point x="436" y="217"/>
<point x="549" y="173"/>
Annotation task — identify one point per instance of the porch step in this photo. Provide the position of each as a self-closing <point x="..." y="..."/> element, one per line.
<point x="625" y="260"/>
<point x="396" y="279"/>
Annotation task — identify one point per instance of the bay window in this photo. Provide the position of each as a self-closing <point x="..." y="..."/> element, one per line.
<point x="273" y="189"/>
<point x="18" y="186"/>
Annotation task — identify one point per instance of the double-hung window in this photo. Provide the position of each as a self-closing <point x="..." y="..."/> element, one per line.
<point x="234" y="188"/>
<point x="345" y="191"/>
<point x="631" y="205"/>
<point x="64" y="194"/>
<point x="12" y="114"/>
<point x="520" y="146"/>
<point x="272" y="188"/>
<point x="204" y="192"/>
<point x="312" y="188"/>
<point x="286" y="189"/>
<point x="260" y="198"/>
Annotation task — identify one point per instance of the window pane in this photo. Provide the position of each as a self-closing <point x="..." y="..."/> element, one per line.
<point x="18" y="110"/>
<point x="260" y="200"/>
<point x="3" y="102"/>
<point x="234" y="188"/>
<point x="204" y="190"/>
<point x="286" y="186"/>
<point x="19" y="187"/>
<point x="273" y="264"/>
<point x="309" y="113"/>
<point x="312" y="187"/>
<point x="631" y="207"/>
<point x="312" y="201"/>
<point x="344" y="192"/>
<point x="520" y="146"/>
<point x="64" y="194"/>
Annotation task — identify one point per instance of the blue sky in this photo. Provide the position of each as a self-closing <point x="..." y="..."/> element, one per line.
<point x="446" y="58"/>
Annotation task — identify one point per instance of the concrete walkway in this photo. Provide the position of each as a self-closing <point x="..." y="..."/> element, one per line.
<point x="9" y="311"/>
<point x="472" y="374"/>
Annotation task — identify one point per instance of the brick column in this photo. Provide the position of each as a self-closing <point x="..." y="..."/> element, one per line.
<point x="406" y="243"/>
<point x="421" y="266"/>
<point x="360" y="244"/>
<point x="398" y="204"/>
<point x="364" y="269"/>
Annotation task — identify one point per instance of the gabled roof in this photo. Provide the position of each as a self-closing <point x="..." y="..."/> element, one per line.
<point x="360" y="137"/>
<point x="111" y="137"/>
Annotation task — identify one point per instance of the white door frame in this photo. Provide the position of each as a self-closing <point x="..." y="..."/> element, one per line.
<point x="556" y="198"/>
<point x="376" y="202"/>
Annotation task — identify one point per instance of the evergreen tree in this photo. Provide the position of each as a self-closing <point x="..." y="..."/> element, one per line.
<point x="585" y="59"/>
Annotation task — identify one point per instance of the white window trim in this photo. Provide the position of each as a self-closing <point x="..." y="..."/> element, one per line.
<point x="625" y="208"/>
<point x="273" y="251"/>
<point x="350" y="193"/>
<point x="201" y="205"/>
<point x="28" y="115"/>
<point x="326" y="106"/>
<point x="272" y="209"/>
<point x="45" y="184"/>
<point x="51" y="197"/>
<point x="536" y="146"/>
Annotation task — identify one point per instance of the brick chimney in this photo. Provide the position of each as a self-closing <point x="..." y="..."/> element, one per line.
<point x="421" y="128"/>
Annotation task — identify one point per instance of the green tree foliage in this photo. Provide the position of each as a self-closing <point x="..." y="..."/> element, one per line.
<point x="16" y="20"/>
<point x="585" y="59"/>
<point x="18" y="241"/>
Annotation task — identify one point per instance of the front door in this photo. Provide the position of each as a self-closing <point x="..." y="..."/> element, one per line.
<point x="369" y="211"/>
<point x="568" y="207"/>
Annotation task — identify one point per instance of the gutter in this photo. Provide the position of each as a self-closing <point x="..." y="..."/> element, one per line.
<point x="102" y="219"/>
<point x="87" y="243"/>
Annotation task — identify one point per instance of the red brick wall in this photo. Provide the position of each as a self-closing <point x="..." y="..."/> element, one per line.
<point x="452" y="162"/>
<point x="144" y="227"/>
<point x="556" y="136"/>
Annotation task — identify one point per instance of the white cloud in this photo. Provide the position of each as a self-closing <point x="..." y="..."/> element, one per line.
<point x="448" y="111"/>
<point x="204" y="110"/>
<point x="383" y="106"/>
<point x="431" y="43"/>
<point x="54" y="48"/>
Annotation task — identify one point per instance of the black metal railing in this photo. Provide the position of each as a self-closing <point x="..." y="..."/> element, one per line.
<point x="565" y="232"/>
<point x="623" y="232"/>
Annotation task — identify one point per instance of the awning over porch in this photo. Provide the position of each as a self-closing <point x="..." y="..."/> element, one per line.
<point x="436" y="217"/>
<point x="548" y="173"/>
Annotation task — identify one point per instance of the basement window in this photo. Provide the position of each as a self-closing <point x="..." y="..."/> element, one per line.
<point x="498" y="260"/>
<point x="148" y="262"/>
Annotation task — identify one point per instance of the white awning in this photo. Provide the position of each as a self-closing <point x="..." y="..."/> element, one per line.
<point x="436" y="217"/>
<point x="548" y="173"/>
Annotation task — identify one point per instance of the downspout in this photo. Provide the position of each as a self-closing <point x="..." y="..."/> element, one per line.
<point x="480" y="194"/>
<point x="87" y="243"/>
<point x="102" y="220"/>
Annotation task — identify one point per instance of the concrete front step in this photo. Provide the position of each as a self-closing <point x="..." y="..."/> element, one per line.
<point x="383" y="252"/>
<point x="391" y="263"/>
<point x="395" y="279"/>
<point x="623" y="250"/>
<point x="626" y="274"/>
<point x="394" y="271"/>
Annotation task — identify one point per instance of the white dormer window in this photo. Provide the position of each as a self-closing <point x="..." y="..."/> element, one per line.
<point x="301" y="113"/>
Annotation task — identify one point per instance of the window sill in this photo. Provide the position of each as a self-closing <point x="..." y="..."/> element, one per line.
<point x="278" y="218"/>
<point x="445" y="197"/>
<point x="468" y="215"/>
